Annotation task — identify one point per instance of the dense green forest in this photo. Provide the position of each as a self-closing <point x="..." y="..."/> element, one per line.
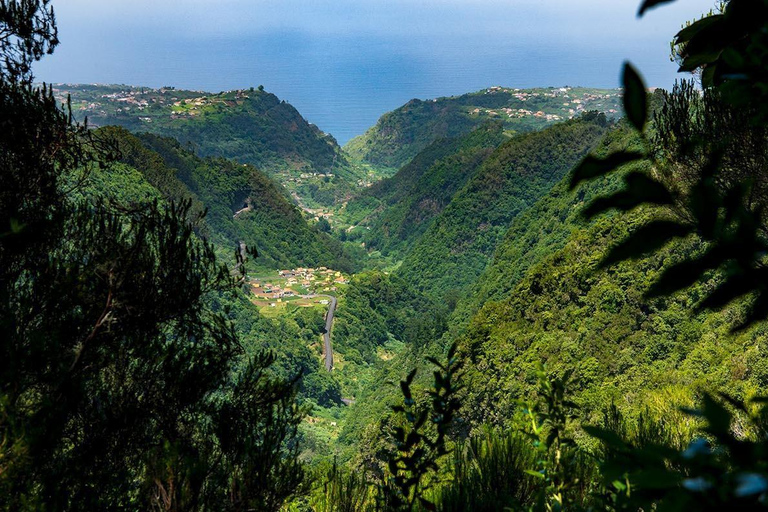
<point x="563" y="311"/>
<point x="241" y="203"/>
<point x="396" y="211"/>
<point x="456" y="247"/>
<point x="249" y="126"/>
<point x="401" y="134"/>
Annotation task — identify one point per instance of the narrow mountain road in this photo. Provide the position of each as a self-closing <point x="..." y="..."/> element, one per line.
<point x="327" y="346"/>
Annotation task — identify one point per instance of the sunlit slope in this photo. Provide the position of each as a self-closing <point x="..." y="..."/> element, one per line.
<point x="460" y="242"/>
<point x="400" y="135"/>
<point x="241" y="203"/>
<point x="399" y="210"/>
<point x="249" y="126"/>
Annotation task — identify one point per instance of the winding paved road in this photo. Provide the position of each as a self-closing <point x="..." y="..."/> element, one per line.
<point x="328" y="348"/>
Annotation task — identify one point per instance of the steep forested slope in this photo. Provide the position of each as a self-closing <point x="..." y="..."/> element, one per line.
<point x="544" y="299"/>
<point x="622" y="347"/>
<point x="242" y="204"/>
<point x="459" y="243"/>
<point x="540" y="231"/>
<point x="249" y="126"/>
<point x="293" y="338"/>
<point x="400" y="135"/>
<point x="377" y="306"/>
<point x="399" y="209"/>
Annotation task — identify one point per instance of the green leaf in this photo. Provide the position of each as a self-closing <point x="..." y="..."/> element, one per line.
<point x="751" y="484"/>
<point x="649" y="4"/>
<point x="593" y="167"/>
<point x="758" y="311"/>
<point x="537" y="474"/>
<point x="656" y="479"/>
<point x="635" y="97"/>
<point x="717" y="416"/>
<point x="695" y="60"/>
<point x="406" y="390"/>
<point x="645" y="240"/>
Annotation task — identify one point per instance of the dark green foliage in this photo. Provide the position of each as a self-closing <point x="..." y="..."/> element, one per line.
<point x="90" y="394"/>
<point x="254" y="418"/>
<point x="594" y="167"/>
<point x="456" y="248"/>
<point x="344" y="492"/>
<point x="420" y="440"/>
<point x="559" y="460"/>
<point x="376" y="306"/>
<point x="29" y="32"/>
<point x="706" y="188"/>
<point x="323" y="225"/>
<point x="242" y="204"/>
<point x="113" y="362"/>
<point x="489" y="473"/>
<point x="421" y="190"/>
<point x="400" y="135"/>
<point x="729" y="48"/>
<point x="725" y="468"/>
<point x="540" y="231"/>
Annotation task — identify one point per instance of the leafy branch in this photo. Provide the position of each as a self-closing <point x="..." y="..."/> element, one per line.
<point x="418" y="447"/>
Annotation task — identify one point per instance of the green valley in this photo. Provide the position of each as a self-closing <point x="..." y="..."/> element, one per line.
<point x="549" y="299"/>
<point x="250" y="126"/>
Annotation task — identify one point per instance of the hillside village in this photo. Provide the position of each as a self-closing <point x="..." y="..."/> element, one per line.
<point x="110" y="100"/>
<point x="297" y="283"/>
<point x="573" y="103"/>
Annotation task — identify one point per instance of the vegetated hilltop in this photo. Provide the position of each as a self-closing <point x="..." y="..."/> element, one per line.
<point x="145" y="176"/>
<point x="460" y="242"/>
<point x="622" y="348"/>
<point x="398" y="210"/>
<point x="250" y="126"/>
<point x="400" y="135"/>
<point x="242" y="204"/>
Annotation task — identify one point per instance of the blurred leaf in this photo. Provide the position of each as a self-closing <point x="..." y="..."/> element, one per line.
<point x="684" y="274"/>
<point x="717" y="416"/>
<point x="607" y="436"/>
<point x="427" y="504"/>
<point x="640" y="190"/>
<point x="655" y="479"/>
<point x="649" y="4"/>
<point x="635" y="97"/>
<point x="593" y="167"/>
<point x="698" y="484"/>
<point x="731" y="288"/>
<point x="750" y="484"/>
<point x="647" y="239"/>
<point x="697" y="447"/>
<point x="690" y="31"/>
<point x="758" y="311"/>
<point x="406" y="390"/>
<point x="694" y="61"/>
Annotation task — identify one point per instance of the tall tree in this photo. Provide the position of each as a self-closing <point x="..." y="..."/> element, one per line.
<point x="120" y="386"/>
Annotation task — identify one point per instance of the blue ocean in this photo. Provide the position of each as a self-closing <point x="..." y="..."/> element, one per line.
<point x="343" y="64"/>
